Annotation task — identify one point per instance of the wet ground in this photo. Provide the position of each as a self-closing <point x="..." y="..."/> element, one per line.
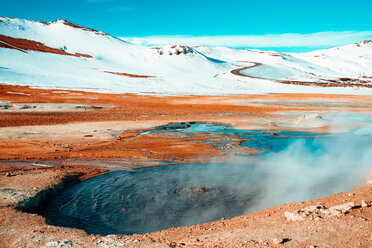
<point x="302" y="144"/>
<point x="293" y="166"/>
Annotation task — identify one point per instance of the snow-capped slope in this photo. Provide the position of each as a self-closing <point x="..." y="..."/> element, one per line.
<point x="63" y="35"/>
<point x="62" y="54"/>
<point x="351" y="61"/>
<point x="354" y="60"/>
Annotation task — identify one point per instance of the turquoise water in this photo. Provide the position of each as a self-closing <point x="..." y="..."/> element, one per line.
<point x="295" y="166"/>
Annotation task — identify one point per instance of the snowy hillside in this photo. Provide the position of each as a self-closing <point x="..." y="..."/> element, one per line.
<point x="62" y="54"/>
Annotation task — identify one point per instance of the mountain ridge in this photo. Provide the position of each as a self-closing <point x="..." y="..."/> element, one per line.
<point x="63" y="54"/>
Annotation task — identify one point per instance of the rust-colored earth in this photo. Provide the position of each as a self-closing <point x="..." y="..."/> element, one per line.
<point x="113" y="129"/>
<point x="25" y="45"/>
<point x="129" y="75"/>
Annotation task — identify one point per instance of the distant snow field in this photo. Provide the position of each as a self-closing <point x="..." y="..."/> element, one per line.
<point x="73" y="57"/>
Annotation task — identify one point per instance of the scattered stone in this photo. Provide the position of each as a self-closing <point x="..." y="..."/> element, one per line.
<point x="343" y="207"/>
<point x="111" y="241"/>
<point x="331" y="213"/>
<point x="58" y="244"/>
<point x="310" y="209"/>
<point x="369" y="183"/>
<point x="294" y="216"/>
<point x="278" y="241"/>
<point x="364" y="204"/>
<point x="350" y="194"/>
<point x="318" y="212"/>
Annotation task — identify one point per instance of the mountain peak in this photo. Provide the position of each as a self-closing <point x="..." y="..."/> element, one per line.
<point x="67" y="23"/>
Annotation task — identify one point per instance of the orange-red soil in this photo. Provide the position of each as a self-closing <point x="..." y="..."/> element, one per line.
<point x="135" y="107"/>
<point x="83" y="28"/>
<point x="138" y="112"/>
<point x="25" y="45"/>
<point x="80" y="137"/>
<point x="260" y="229"/>
<point x="129" y="75"/>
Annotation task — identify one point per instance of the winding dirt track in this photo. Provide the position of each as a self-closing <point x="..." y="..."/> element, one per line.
<point x="238" y="72"/>
<point x="330" y="83"/>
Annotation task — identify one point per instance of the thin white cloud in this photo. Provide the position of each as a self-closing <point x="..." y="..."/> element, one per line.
<point x="316" y="40"/>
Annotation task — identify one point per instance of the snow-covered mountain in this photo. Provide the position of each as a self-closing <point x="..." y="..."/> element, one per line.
<point x="62" y="54"/>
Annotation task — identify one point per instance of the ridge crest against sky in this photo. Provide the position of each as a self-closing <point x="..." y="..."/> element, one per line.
<point x="277" y="42"/>
<point x="237" y="19"/>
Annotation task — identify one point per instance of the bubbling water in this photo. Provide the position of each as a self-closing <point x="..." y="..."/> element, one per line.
<point x="293" y="167"/>
<point x="154" y="199"/>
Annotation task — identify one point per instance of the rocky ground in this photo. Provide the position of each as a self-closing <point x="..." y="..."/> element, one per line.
<point x="76" y="130"/>
<point x="341" y="220"/>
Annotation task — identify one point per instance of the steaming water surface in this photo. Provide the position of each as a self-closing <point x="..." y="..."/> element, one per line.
<point x="299" y="168"/>
<point x="154" y="199"/>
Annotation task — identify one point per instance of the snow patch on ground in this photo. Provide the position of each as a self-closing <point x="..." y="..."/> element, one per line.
<point x="176" y="69"/>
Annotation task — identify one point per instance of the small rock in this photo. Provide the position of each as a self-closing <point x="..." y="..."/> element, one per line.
<point x="294" y="216"/>
<point x="369" y="183"/>
<point x="58" y="244"/>
<point x="343" y="207"/>
<point x="364" y="204"/>
<point x="312" y="246"/>
<point x="350" y="194"/>
<point x="314" y="208"/>
<point x="278" y="241"/>
<point x="331" y="213"/>
<point x="8" y="174"/>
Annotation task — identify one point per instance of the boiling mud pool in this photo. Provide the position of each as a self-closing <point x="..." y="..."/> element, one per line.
<point x="298" y="168"/>
<point x="154" y="199"/>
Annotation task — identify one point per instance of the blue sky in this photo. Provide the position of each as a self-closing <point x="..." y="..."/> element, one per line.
<point x="140" y="18"/>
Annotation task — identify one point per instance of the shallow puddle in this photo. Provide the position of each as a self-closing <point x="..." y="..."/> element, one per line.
<point x="261" y="140"/>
